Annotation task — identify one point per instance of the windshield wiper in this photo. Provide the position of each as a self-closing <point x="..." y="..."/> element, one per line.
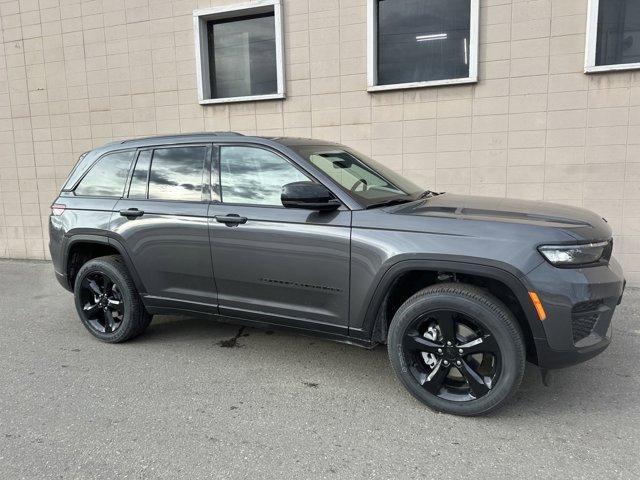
<point x="399" y="201"/>
<point x="429" y="193"/>
<point x="390" y="203"/>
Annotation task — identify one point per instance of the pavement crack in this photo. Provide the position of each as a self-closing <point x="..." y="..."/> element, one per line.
<point x="233" y="341"/>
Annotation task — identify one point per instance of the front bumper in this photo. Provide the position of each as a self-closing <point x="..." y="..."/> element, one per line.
<point x="549" y="358"/>
<point x="580" y="304"/>
<point x="63" y="280"/>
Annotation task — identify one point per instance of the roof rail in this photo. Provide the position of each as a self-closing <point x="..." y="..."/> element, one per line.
<point x="195" y="134"/>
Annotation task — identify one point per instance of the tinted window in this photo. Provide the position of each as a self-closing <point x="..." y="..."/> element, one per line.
<point x="138" y="187"/>
<point x="78" y="170"/>
<point x="176" y="173"/>
<point x="618" y="32"/>
<point x="364" y="178"/>
<point x="254" y="176"/>
<point x="242" y="56"/>
<point x="423" y="40"/>
<point x="107" y="176"/>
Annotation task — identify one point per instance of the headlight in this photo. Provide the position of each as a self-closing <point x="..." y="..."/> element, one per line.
<point x="574" y="255"/>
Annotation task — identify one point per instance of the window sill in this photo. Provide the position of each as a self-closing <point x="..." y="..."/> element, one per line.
<point x="434" y="83"/>
<point x="251" y="98"/>
<point x="612" y="68"/>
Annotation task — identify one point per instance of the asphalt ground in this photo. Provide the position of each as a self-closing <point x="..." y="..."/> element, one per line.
<point x="199" y="399"/>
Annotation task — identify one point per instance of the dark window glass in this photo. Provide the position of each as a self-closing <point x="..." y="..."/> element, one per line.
<point x="618" y="32"/>
<point x="255" y="176"/>
<point x="364" y="178"/>
<point x="215" y="177"/>
<point x="107" y="177"/>
<point x="176" y="173"/>
<point x="423" y="40"/>
<point x="77" y="171"/>
<point x="242" y="56"/>
<point x="138" y="187"/>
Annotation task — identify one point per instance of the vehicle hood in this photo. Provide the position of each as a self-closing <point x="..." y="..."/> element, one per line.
<point x="580" y="223"/>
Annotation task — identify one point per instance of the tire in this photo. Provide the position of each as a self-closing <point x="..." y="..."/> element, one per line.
<point x="486" y="340"/>
<point x="109" y="275"/>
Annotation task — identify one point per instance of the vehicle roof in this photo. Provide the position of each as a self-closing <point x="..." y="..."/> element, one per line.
<point x="299" y="141"/>
<point x="211" y="137"/>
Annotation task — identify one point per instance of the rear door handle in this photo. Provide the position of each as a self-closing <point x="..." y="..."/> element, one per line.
<point x="132" y="213"/>
<point x="232" y="220"/>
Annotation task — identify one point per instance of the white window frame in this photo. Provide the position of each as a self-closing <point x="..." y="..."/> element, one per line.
<point x="372" y="54"/>
<point x="592" y="44"/>
<point x="200" y="19"/>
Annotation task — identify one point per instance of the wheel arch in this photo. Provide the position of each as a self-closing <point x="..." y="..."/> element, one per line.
<point x="410" y="276"/>
<point x="96" y="246"/>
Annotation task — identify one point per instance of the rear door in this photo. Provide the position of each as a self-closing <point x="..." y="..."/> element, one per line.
<point x="163" y="223"/>
<point x="272" y="263"/>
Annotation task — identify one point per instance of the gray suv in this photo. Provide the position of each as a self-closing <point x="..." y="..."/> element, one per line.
<point x="315" y="237"/>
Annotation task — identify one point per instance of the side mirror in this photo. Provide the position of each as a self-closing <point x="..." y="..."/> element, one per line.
<point x="309" y="196"/>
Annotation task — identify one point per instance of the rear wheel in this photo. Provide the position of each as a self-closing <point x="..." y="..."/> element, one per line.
<point x="457" y="349"/>
<point x="107" y="301"/>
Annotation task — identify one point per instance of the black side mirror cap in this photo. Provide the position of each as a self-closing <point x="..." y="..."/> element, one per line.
<point x="308" y="196"/>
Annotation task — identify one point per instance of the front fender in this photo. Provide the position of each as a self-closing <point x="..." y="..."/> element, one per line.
<point x="365" y="327"/>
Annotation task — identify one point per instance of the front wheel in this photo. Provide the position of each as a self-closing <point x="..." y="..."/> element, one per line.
<point x="457" y="349"/>
<point x="107" y="301"/>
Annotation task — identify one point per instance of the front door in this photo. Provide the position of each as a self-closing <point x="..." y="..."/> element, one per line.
<point x="162" y="221"/>
<point x="275" y="264"/>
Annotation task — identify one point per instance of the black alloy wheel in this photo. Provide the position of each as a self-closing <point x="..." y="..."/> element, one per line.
<point x="103" y="306"/>
<point x="452" y="357"/>
<point x="457" y="349"/>
<point x="108" y="301"/>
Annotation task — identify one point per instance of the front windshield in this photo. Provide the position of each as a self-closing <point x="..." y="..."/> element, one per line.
<point x="365" y="179"/>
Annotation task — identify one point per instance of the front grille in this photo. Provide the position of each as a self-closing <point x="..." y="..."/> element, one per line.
<point x="583" y="307"/>
<point x="584" y="317"/>
<point x="583" y="325"/>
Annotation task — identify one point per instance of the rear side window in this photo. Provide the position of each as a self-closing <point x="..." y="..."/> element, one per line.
<point x="139" y="180"/>
<point x="177" y="173"/>
<point x="107" y="176"/>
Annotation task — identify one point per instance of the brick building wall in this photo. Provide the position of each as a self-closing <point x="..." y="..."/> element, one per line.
<point x="77" y="74"/>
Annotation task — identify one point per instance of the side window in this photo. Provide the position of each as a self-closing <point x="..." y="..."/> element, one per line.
<point x="255" y="176"/>
<point x="176" y="173"/>
<point x="347" y="171"/>
<point x="140" y="177"/>
<point x="107" y="176"/>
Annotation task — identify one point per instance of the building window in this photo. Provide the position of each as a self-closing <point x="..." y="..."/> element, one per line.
<point x="239" y="52"/>
<point x="422" y="43"/>
<point x="613" y="35"/>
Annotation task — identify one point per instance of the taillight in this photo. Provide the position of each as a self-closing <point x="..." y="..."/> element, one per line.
<point x="57" y="209"/>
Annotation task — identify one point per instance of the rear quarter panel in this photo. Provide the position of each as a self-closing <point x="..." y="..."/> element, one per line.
<point x="82" y="216"/>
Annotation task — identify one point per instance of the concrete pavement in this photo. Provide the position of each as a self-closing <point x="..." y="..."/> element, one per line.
<point x="187" y="401"/>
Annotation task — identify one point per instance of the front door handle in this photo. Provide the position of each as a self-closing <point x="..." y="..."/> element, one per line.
<point x="232" y="220"/>
<point x="131" y="213"/>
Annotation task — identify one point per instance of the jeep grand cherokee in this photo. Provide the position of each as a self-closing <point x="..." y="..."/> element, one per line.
<point x="313" y="236"/>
